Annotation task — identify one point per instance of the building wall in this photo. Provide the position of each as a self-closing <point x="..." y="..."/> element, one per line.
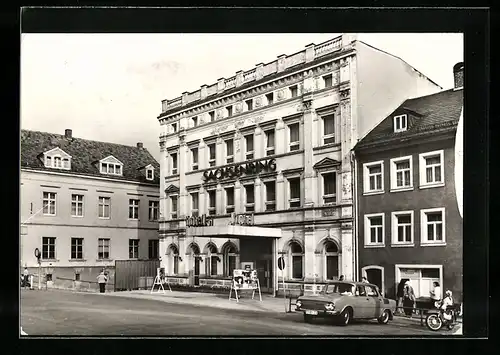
<point x="382" y="83"/>
<point x="119" y="229"/>
<point x="449" y="256"/>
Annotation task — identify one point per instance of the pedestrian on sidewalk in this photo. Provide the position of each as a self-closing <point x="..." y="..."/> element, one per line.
<point x="435" y="294"/>
<point x="102" y="279"/>
<point x="408" y="299"/>
<point x="341" y="278"/>
<point x="26" y="274"/>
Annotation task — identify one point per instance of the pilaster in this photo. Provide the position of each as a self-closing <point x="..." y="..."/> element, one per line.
<point x="347" y="250"/>
<point x="219" y="200"/>
<point x="258" y="144"/>
<point x="258" y="195"/>
<point x="219" y="152"/>
<point x="238" y="208"/>
<point x="280" y="192"/>
<point x="309" y="174"/>
<point x="280" y="137"/>
<point x="309" y="256"/>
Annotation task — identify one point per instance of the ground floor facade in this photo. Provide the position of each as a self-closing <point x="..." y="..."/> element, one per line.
<point x="207" y="255"/>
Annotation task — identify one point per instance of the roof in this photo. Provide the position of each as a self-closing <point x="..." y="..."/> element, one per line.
<point x="85" y="154"/>
<point x="430" y="114"/>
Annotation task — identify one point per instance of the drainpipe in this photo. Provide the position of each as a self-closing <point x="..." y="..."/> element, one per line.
<point x="355" y="212"/>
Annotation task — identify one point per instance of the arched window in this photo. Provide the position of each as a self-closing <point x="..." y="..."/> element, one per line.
<point x="331" y="256"/>
<point x="211" y="260"/>
<point x="229" y="262"/>
<point x="296" y="256"/>
<point x="174" y="257"/>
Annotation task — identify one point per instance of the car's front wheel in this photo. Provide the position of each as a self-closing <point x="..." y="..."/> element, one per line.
<point x="308" y="318"/>
<point x="384" y="318"/>
<point x="345" y="317"/>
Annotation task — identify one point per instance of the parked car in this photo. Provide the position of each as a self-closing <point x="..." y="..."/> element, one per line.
<point x="344" y="301"/>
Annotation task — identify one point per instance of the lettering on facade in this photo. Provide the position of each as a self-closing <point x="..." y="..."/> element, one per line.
<point x="239" y="170"/>
<point x="242" y="219"/>
<point x="199" y="221"/>
<point x="330" y="212"/>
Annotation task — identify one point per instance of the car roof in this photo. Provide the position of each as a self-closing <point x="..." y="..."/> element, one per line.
<point x="356" y="283"/>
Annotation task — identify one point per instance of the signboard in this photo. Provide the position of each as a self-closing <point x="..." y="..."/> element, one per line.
<point x="199" y="221"/>
<point x="281" y="263"/>
<point x="241" y="219"/>
<point x="252" y="168"/>
<point x="245" y="279"/>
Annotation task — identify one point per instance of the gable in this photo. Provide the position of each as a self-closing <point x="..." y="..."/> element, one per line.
<point x="111" y="160"/>
<point x="57" y="151"/>
<point x="171" y="189"/>
<point x="326" y="163"/>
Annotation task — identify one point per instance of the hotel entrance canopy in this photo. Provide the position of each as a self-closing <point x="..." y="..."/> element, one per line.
<point x="234" y="231"/>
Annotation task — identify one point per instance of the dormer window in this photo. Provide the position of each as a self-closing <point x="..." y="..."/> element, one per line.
<point x="111" y="166"/>
<point x="150" y="174"/>
<point x="57" y="159"/>
<point x="400" y="123"/>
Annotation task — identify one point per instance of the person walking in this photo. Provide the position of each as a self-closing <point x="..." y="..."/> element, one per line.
<point x="102" y="279"/>
<point x="408" y="299"/>
<point x="435" y="294"/>
<point x="26" y="274"/>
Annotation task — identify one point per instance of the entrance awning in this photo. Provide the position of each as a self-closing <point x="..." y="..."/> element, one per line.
<point x="234" y="231"/>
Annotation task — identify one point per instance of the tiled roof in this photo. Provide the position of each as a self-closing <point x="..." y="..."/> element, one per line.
<point x="85" y="153"/>
<point x="427" y="114"/>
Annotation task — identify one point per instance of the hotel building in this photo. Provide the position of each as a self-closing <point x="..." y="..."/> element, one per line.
<point x="258" y="165"/>
<point x="84" y="205"/>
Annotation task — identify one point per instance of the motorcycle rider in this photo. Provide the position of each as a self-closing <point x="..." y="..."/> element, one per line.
<point x="447" y="301"/>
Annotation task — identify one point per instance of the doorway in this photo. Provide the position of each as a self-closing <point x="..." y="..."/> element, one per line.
<point x="375" y="275"/>
<point x="196" y="270"/>
<point x="265" y="275"/>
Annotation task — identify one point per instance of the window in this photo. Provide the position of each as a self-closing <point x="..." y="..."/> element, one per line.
<point x="211" y="154"/>
<point x="294" y="137"/>
<point x="173" y="157"/>
<point x="212" y="116"/>
<point x="249" y="146"/>
<point x="194" y="120"/>
<point x="329" y="188"/>
<point x="174" y="206"/>
<point x="270" y="98"/>
<point x="175" y="259"/>
<point x="104" y="207"/>
<point x="133" y="209"/>
<point x="174" y="127"/>
<point x="249" y="104"/>
<point x="432" y="226"/>
<point x="77" y="277"/>
<point x="154" y="207"/>
<point x="111" y="169"/>
<point x="294" y="91"/>
<point x="331" y="262"/>
<point x="76" y="248"/>
<point x="153" y="247"/>
<point x="270" y="195"/>
<point x="229" y="199"/>
<point x="296" y="259"/>
<point x="401" y="173"/>
<point x="194" y="159"/>
<point x="133" y="248"/>
<point x="370" y="291"/>
<point x="229" y="111"/>
<point x="374" y="229"/>
<point x="360" y="291"/>
<point x="329" y="129"/>
<point x="57" y="162"/>
<point x="49" y="277"/>
<point x="194" y="204"/>
<point x="211" y="261"/>
<point x="76" y="205"/>
<point x="150" y="174"/>
<point x="229" y="259"/>
<point x="48" y="248"/>
<point x="431" y="169"/>
<point x="249" y="198"/>
<point x="328" y="80"/>
<point x="66" y="163"/>
<point x="421" y="277"/>
<point x="269" y="142"/>
<point x="103" y="248"/>
<point x="400" y="123"/>
<point x="49" y="203"/>
<point x="373" y="177"/>
<point x="229" y="151"/>
<point x="402" y="228"/>
<point x="211" y="202"/>
<point x="294" y="193"/>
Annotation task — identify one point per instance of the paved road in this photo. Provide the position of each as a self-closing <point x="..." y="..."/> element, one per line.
<point x="56" y="313"/>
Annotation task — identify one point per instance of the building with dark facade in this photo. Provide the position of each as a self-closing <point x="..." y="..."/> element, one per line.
<point x="407" y="217"/>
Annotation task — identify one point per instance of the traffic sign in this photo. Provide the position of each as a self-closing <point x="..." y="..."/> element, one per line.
<point x="37" y="252"/>
<point x="281" y="263"/>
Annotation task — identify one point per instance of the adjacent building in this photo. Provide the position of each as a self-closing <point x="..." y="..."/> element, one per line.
<point x="408" y="221"/>
<point x="258" y="165"/>
<point x="85" y="204"/>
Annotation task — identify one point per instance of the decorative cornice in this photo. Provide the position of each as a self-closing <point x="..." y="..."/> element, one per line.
<point x="326" y="163"/>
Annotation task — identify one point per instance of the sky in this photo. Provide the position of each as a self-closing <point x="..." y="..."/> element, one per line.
<point x="109" y="87"/>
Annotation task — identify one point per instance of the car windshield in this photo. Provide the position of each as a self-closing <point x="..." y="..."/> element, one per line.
<point x="340" y="287"/>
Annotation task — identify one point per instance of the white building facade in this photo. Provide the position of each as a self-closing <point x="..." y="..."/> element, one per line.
<point x="273" y="146"/>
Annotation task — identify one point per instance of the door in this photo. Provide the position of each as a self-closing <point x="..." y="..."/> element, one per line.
<point x="374" y="302"/>
<point x="332" y="267"/>
<point x="264" y="273"/>
<point x="197" y="271"/>
<point x="361" y="306"/>
<point x="374" y="276"/>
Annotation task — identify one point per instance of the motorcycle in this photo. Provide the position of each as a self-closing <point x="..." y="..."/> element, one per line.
<point x="24" y="283"/>
<point x="438" y="318"/>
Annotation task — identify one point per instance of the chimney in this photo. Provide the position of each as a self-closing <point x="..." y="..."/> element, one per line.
<point x="68" y="133"/>
<point x="140" y="145"/>
<point x="458" y="75"/>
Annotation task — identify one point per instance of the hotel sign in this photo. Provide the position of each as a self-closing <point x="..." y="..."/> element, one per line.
<point x="199" y="221"/>
<point x="241" y="219"/>
<point x="252" y="168"/>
